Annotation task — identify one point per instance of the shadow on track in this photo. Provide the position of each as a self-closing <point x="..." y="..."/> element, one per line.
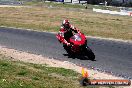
<point x="78" y="57"/>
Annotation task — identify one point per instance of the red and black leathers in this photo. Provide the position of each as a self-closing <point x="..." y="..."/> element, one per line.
<point x="65" y="34"/>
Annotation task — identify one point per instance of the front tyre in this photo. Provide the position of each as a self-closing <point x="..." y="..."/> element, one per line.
<point x="90" y="53"/>
<point x="68" y="49"/>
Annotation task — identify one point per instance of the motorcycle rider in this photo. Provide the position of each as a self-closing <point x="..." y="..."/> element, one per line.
<point x="66" y="31"/>
<point x="79" y="45"/>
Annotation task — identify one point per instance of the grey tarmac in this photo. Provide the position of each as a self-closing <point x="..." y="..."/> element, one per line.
<point x="111" y="56"/>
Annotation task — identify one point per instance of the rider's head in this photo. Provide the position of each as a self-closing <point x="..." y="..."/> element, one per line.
<point x="66" y="24"/>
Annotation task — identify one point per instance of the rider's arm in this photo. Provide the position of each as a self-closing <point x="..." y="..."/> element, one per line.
<point x="75" y="29"/>
<point x="61" y="38"/>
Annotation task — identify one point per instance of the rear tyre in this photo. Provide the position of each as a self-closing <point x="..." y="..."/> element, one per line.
<point x="90" y="53"/>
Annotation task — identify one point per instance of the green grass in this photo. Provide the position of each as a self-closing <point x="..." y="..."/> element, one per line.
<point x="14" y="74"/>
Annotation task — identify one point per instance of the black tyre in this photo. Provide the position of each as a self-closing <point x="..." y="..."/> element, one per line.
<point x="68" y="49"/>
<point x="90" y="53"/>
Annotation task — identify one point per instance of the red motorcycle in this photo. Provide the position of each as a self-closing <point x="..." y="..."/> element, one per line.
<point x="78" y="46"/>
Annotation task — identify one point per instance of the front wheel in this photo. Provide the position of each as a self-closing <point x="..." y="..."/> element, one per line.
<point x="89" y="53"/>
<point x="68" y="49"/>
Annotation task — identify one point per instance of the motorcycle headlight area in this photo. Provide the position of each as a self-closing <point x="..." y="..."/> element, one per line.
<point x="76" y="38"/>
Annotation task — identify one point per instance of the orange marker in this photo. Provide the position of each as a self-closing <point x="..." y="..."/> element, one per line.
<point x="84" y="73"/>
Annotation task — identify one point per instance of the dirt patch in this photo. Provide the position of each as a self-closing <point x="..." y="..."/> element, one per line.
<point x="39" y="59"/>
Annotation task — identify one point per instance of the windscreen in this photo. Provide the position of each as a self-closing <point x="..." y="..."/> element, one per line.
<point x="76" y="37"/>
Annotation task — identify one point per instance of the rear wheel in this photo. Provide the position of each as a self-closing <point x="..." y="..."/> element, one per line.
<point x="90" y="53"/>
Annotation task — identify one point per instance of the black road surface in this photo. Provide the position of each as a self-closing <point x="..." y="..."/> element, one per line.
<point x="111" y="56"/>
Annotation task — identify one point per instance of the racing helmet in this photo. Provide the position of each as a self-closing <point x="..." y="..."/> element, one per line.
<point x="66" y="24"/>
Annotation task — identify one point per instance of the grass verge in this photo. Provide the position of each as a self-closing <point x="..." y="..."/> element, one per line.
<point x="69" y="5"/>
<point x="14" y="74"/>
<point x="41" y="18"/>
<point x="17" y="74"/>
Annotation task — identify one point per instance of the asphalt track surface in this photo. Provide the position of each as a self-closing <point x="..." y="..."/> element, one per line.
<point x="111" y="56"/>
